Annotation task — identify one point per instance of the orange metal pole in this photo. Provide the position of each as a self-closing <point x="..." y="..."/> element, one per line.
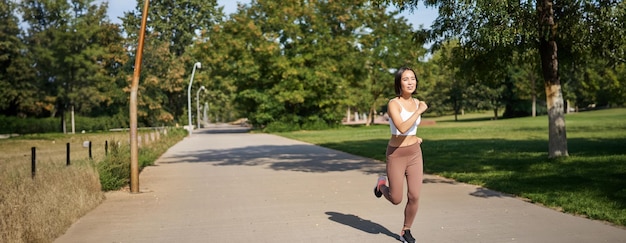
<point x="134" y="148"/>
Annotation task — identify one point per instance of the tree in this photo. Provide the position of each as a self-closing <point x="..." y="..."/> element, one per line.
<point x="176" y="23"/>
<point x="216" y="50"/>
<point x="111" y="71"/>
<point x="284" y="59"/>
<point x="174" y="26"/>
<point x="45" y="19"/>
<point x="550" y="69"/>
<point x="299" y="64"/>
<point x="591" y="51"/>
<point x="385" y="45"/>
<point x="523" y="87"/>
<point x="71" y="44"/>
<point x="17" y="93"/>
<point x="583" y="27"/>
<point x="503" y="26"/>
<point x="451" y="91"/>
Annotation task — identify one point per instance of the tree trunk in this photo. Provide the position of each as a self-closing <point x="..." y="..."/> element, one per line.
<point x="73" y="120"/>
<point x="456" y="111"/>
<point x="63" y="125"/>
<point x="533" y="81"/>
<point x="370" y="116"/>
<point x="557" y="145"/>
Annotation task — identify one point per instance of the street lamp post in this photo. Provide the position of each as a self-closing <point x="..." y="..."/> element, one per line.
<point x="198" y="104"/>
<point x="196" y="65"/>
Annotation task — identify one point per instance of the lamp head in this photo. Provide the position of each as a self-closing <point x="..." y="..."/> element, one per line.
<point x="198" y="65"/>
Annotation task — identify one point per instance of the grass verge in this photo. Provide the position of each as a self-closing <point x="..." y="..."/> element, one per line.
<point x="511" y="156"/>
<point x="41" y="208"/>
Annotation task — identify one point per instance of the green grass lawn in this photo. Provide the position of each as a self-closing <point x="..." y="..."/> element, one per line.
<point x="511" y="156"/>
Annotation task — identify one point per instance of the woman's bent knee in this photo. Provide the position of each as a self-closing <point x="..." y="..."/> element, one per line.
<point x="395" y="201"/>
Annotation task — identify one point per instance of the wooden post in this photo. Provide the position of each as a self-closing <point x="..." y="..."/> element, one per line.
<point x="33" y="163"/>
<point x="134" y="150"/>
<point x="67" y="146"/>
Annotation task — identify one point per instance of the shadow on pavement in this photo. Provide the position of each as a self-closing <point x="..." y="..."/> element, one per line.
<point x="440" y="180"/>
<point x="299" y="157"/>
<point x="222" y="129"/>
<point x="360" y="224"/>
<point x="484" y="192"/>
<point x="480" y="191"/>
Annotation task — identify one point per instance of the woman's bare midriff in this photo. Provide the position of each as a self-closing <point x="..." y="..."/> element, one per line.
<point x="402" y="141"/>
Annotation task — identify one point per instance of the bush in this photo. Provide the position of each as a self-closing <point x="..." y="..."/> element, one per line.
<point x="281" y="127"/>
<point x="28" y="125"/>
<point x="315" y="123"/>
<point x="293" y="123"/>
<point x="522" y="108"/>
<point x="53" y="124"/>
<point x="114" y="170"/>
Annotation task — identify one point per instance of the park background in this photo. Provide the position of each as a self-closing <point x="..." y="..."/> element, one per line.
<point x="296" y="64"/>
<point x="296" y="67"/>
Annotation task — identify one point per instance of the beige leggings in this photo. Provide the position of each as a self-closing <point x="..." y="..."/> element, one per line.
<point x="405" y="162"/>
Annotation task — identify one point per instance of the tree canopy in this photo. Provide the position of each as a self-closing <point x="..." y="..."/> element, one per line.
<point x="310" y="64"/>
<point x="563" y="34"/>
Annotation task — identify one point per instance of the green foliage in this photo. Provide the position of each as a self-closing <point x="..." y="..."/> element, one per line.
<point x="27" y="125"/>
<point x="522" y="108"/>
<point x="280" y="63"/>
<point x="291" y="60"/>
<point x="17" y="94"/>
<point x="47" y="125"/>
<point x="173" y="22"/>
<point x="448" y="89"/>
<point x="75" y="52"/>
<point x="593" y="85"/>
<point x="492" y="33"/>
<point x="316" y="123"/>
<point x="94" y="124"/>
<point x="281" y="127"/>
<point x="388" y="45"/>
<point x="167" y="64"/>
<point x="114" y="170"/>
<point x="295" y="123"/>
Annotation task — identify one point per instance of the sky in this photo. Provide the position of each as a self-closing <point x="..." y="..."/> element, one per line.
<point x="422" y="16"/>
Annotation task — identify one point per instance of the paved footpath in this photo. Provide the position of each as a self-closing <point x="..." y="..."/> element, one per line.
<point x="223" y="185"/>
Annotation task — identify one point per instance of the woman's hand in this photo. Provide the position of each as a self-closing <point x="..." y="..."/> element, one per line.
<point x="423" y="106"/>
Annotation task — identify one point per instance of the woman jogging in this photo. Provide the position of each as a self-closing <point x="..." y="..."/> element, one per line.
<point x="404" y="153"/>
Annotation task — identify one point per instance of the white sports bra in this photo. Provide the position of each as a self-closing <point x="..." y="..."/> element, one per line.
<point x="405" y="115"/>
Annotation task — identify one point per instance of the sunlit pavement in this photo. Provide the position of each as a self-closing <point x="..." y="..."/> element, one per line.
<point x="222" y="184"/>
